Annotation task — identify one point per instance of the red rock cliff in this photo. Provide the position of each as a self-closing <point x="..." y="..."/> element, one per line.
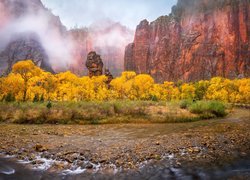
<point x="107" y="38"/>
<point x="200" y="39"/>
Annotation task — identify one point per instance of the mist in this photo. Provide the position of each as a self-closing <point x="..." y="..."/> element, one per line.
<point x="109" y="27"/>
<point x="57" y="45"/>
<point x="127" y="12"/>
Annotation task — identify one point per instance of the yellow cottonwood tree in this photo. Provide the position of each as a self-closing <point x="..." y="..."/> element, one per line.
<point x="121" y="87"/>
<point x="43" y="85"/>
<point x="27" y="82"/>
<point x="12" y="84"/>
<point x="217" y="90"/>
<point x="66" y="87"/>
<point x="142" y="85"/>
<point x="85" y="89"/>
<point x="187" y="91"/>
<point x="27" y="70"/>
<point x="243" y="94"/>
<point x="100" y="87"/>
<point x="171" y="92"/>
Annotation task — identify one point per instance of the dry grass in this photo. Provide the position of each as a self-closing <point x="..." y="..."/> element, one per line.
<point x="111" y="112"/>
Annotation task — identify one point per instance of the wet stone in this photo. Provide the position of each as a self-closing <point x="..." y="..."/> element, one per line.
<point x="37" y="162"/>
<point x="87" y="165"/>
<point x="40" y="148"/>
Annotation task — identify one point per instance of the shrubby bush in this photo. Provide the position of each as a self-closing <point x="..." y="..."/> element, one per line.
<point x="208" y="109"/>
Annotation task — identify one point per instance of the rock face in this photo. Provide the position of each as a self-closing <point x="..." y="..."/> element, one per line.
<point x="94" y="64"/>
<point x="24" y="47"/>
<point x="60" y="49"/>
<point x="200" y="39"/>
<point x="19" y="42"/>
<point x="108" y="38"/>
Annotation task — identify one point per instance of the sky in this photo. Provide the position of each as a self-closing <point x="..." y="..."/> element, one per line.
<point x="82" y="13"/>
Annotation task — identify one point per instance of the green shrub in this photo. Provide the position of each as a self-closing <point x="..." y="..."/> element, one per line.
<point x="198" y="107"/>
<point x="208" y="109"/>
<point x="217" y="108"/>
<point x="49" y="105"/>
<point x="184" y="104"/>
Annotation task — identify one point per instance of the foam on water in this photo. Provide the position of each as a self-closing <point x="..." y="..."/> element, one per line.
<point x="97" y="167"/>
<point x="78" y="170"/>
<point x="6" y="170"/>
<point x="9" y="156"/>
<point x="143" y="164"/>
<point x="46" y="165"/>
<point x="170" y="156"/>
<point x="23" y="162"/>
<point x="115" y="169"/>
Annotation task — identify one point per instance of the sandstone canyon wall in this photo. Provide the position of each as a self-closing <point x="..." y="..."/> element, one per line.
<point x="200" y="39"/>
<point x="28" y="30"/>
<point x="107" y="38"/>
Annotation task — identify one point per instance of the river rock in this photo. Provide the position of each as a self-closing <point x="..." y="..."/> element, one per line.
<point x="40" y="148"/>
<point x="87" y="165"/>
<point x="71" y="157"/>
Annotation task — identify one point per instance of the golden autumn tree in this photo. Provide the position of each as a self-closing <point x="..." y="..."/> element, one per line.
<point x="243" y="93"/>
<point x="171" y="92"/>
<point x="121" y="87"/>
<point x="49" y="84"/>
<point x="142" y="85"/>
<point x="66" y="89"/>
<point x="2" y="89"/>
<point x="187" y="91"/>
<point x="41" y="86"/>
<point x="117" y="88"/>
<point x="27" y="82"/>
<point x="85" y="89"/>
<point x="217" y="90"/>
<point x="12" y="85"/>
<point x="27" y="70"/>
<point x="100" y="87"/>
<point x="157" y="92"/>
<point x="201" y="89"/>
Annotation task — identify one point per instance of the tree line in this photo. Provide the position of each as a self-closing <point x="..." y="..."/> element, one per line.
<point x="27" y="82"/>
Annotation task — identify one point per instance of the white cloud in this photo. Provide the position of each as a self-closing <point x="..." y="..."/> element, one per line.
<point x="128" y="12"/>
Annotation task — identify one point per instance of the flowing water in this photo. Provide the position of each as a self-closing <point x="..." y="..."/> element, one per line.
<point x="11" y="169"/>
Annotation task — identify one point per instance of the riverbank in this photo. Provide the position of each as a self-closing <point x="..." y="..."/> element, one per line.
<point x="112" y="149"/>
<point x="110" y="112"/>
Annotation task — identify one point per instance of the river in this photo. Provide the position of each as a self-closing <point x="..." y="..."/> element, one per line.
<point x="10" y="170"/>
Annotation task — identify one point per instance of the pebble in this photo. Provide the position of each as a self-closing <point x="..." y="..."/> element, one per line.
<point x="157" y="143"/>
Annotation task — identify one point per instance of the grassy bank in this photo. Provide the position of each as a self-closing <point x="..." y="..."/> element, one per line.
<point x="111" y="112"/>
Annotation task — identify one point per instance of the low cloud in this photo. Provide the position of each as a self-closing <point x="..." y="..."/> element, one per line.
<point x="127" y="12"/>
<point x="58" y="48"/>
